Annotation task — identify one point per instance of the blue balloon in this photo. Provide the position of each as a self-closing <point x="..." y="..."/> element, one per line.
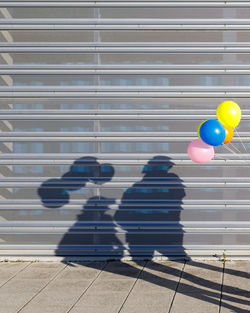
<point x="213" y="133"/>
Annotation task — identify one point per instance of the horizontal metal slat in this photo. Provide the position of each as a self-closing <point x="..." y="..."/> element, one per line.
<point x="127" y="27"/>
<point x="125" y="4"/>
<point x="111" y="114"/>
<point x="102" y="156"/>
<point x="223" y="159"/>
<point x="131" y="180"/>
<point x="170" y="112"/>
<point x="47" y="115"/>
<point x="108" y="114"/>
<point x="104" y="117"/>
<point x="170" y="203"/>
<point x="130" y="44"/>
<point x="127" y="224"/>
<point x="127" y="185"/>
<point x="84" y="137"/>
<point x="96" y="88"/>
<point x="142" y="231"/>
<point x="218" y="161"/>
<point x="124" y="24"/>
<point x="128" y="47"/>
<point x="121" y="95"/>
<point x="124" y="91"/>
<point x="103" y="134"/>
<point x="75" y="248"/>
<point x="103" y="139"/>
<point x="117" y="230"/>
<point x="141" y="185"/>
<point x="106" y="136"/>
<point x="131" y="207"/>
<point x="105" y="252"/>
<point x="149" y="69"/>
<point x="123" y="21"/>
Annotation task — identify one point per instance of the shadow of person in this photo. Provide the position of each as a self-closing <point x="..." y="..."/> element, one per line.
<point x="54" y="193"/>
<point x="153" y="207"/>
<point x="95" y="230"/>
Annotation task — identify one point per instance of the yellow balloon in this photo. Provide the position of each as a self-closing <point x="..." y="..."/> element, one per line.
<point x="229" y="113"/>
<point x="198" y="129"/>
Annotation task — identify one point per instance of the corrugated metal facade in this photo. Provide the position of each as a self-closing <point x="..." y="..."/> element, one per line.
<point x="98" y="102"/>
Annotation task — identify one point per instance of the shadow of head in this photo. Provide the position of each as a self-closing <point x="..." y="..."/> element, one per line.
<point x="54" y="193"/>
<point x="158" y="166"/>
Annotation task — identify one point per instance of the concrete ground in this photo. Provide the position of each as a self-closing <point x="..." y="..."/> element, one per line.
<point x="128" y="287"/>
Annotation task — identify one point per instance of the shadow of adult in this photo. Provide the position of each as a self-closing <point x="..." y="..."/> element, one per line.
<point x="153" y="207"/>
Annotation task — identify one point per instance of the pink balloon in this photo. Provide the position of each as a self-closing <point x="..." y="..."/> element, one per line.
<point x="200" y="152"/>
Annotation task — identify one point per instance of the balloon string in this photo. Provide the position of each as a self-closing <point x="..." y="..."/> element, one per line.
<point x="231" y="151"/>
<point x="240" y="140"/>
<point x="234" y="153"/>
<point x="235" y="147"/>
<point x="226" y="159"/>
<point x="224" y="146"/>
<point x="217" y="156"/>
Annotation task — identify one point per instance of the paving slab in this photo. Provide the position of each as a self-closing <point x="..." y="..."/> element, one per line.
<point x="62" y="293"/>
<point x="236" y="287"/>
<point x="122" y="270"/>
<point x="104" y="295"/>
<point x="112" y="285"/>
<point x="195" y="303"/>
<point x="159" y="276"/>
<point x="10" y="270"/>
<point x="148" y="302"/>
<point x="19" y="290"/>
<point x="235" y="305"/>
<point x="199" y="289"/>
<point x="237" y="278"/>
<point x="96" y="309"/>
<point x="198" y="277"/>
<point x="155" y="288"/>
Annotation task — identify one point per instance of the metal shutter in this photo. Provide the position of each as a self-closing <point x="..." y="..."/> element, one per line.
<point x="98" y="102"/>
